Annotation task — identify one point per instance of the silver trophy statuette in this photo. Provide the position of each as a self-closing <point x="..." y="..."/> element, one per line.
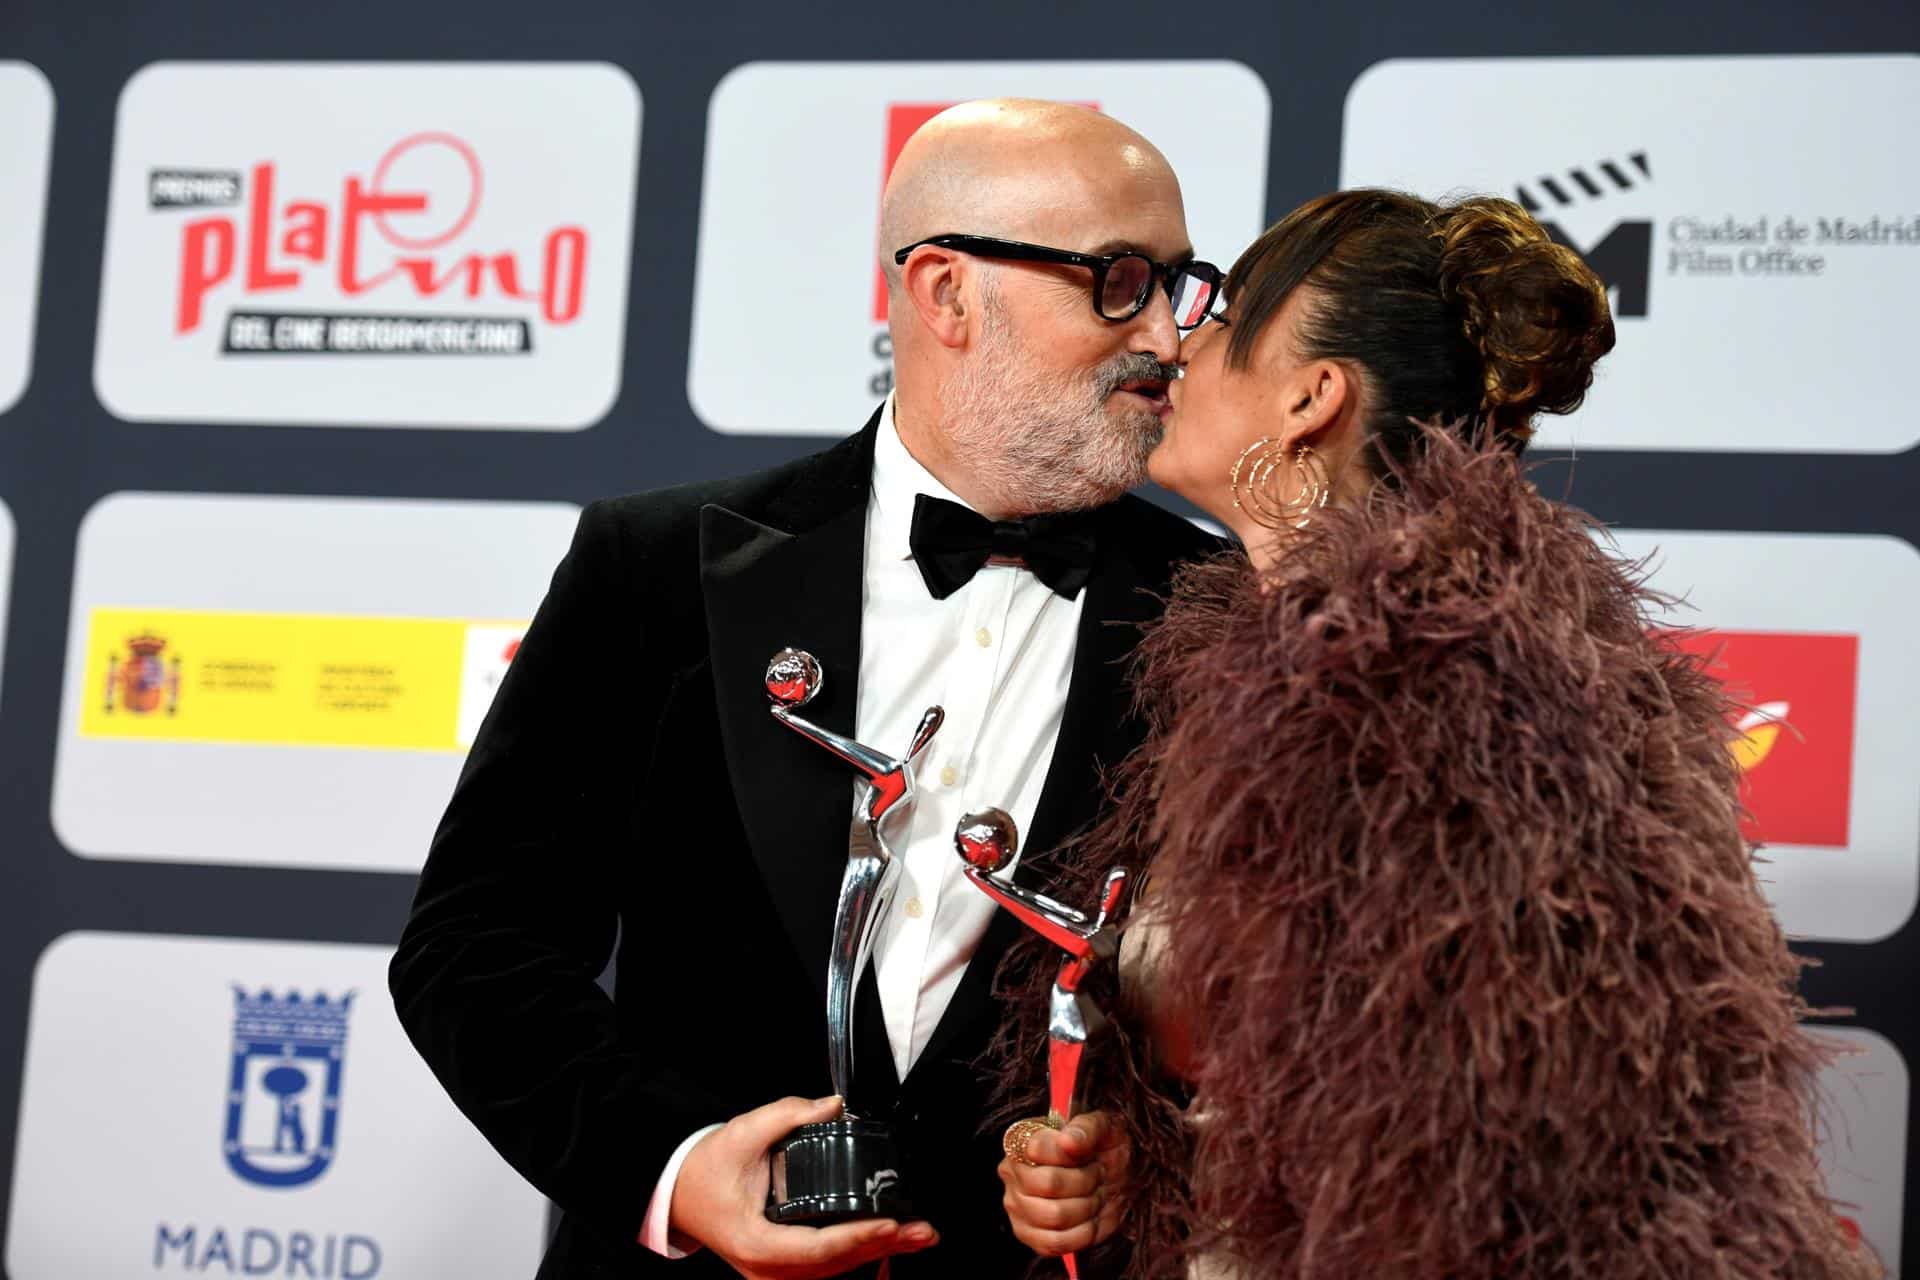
<point x="987" y="842"/>
<point x="847" y="1168"/>
<point x="794" y="678"/>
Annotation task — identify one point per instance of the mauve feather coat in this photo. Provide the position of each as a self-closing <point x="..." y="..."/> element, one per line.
<point x="1444" y="834"/>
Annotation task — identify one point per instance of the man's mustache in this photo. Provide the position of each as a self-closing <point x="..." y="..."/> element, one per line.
<point x="1134" y="367"/>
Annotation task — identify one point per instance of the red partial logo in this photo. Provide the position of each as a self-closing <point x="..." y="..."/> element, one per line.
<point x="1795" y="743"/>
<point x="903" y="121"/>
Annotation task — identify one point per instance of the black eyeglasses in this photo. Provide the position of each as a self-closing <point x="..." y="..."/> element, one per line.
<point x="1122" y="282"/>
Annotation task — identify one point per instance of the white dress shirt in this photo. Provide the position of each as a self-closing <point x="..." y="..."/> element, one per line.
<point x="998" y="655"/>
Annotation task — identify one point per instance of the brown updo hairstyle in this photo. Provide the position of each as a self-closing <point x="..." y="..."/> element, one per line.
<point x="1463" y="312"/>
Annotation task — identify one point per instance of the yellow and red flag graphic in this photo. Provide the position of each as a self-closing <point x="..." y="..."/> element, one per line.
<point x="201" y="675"/>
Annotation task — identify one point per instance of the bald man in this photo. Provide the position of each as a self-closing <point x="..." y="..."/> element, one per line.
<point x="972" y="546"/>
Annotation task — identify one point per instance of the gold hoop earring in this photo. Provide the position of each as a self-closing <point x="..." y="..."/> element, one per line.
<point x="1261" y="462"/>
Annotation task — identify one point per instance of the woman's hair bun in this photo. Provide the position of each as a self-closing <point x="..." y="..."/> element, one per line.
<point x="1535" y="310"/>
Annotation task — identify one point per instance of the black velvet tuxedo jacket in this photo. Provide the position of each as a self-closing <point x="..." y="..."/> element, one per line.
<point x="629" y="785"/>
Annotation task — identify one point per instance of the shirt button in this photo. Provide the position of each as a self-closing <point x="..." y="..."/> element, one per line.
<point x="915" y="909"/>
<point x="983" y="637"/>
<point x="948" y="775"/>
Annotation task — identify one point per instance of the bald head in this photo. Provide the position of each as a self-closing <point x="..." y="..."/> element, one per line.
<point x="1012" y="385"/>
<point x="1020" y="169"/>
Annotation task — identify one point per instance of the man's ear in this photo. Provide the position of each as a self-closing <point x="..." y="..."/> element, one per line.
<point x="931" y="282"/>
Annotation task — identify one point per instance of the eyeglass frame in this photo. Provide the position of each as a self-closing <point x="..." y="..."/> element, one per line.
<point x="1160" y="273"/>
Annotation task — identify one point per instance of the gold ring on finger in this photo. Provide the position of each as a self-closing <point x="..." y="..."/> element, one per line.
<point x="1014" y="1141"/>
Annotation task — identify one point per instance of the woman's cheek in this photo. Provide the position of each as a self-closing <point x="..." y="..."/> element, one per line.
<point x="1169" y="464"/>
<point x="1160" y="462"/>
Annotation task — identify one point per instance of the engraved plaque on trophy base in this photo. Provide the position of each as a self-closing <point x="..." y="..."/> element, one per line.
<point x="838" y="1171"/>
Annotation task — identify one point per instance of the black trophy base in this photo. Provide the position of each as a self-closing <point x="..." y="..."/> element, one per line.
<point x="837" y="1171"/>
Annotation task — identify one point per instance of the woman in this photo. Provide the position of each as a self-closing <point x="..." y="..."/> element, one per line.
<point x="1452" y="962"/>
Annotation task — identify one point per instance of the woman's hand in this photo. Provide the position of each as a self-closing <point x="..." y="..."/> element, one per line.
<point x="1066" y="1196"/>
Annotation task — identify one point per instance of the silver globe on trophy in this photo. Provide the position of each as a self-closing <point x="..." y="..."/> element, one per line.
<point x="849" y="1168"/>
<point x="987" y="842"/>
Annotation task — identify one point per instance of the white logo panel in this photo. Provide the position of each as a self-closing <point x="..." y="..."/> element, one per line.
<point x="789" y="324"/>
<point x="1749" y="236"/>
<point x="1817" y="631"/>
<point x="26" y="145"/>
<point x="1863" y="1131"/>
<point x="435" y="245"/>
<point x="488" y="652"/>
<point x="231" y="758"/>
<point x="198" y="1105"/>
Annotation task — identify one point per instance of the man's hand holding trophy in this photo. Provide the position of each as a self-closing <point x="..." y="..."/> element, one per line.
<point x="798" y="1189"/>
<point x="825" y="1168"/>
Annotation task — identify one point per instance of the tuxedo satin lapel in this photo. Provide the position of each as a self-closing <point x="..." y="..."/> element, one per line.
<point x="767" y="590"/>
<point x="877" y="1084"/>
<point x="1097" y="729"/>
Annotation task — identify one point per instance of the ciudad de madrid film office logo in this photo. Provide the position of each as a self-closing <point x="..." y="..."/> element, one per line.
<point x="815" y="330"/>
<point x="368" y="245"/>
<point x="1724" y="264"/>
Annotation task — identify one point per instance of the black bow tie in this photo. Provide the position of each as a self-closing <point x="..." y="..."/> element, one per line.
<point x="950" y="543"/>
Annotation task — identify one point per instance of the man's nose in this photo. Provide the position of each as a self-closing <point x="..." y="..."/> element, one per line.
<point x="1154" y="331"/>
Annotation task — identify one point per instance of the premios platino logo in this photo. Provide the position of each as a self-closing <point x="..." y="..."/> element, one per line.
<point x="392" y="235"/>
<point x="430" y="245"/>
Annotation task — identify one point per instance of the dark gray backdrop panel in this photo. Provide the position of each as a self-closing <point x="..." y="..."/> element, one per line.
<point x="60" y="451"/>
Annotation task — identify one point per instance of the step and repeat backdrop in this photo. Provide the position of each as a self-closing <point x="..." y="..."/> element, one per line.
<point x="318" y="326"/>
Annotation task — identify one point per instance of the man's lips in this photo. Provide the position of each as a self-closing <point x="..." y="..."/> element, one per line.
<point x="1152" y="391"/>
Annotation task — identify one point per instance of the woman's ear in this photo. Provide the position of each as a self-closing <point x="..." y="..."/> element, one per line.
<point x="1319" y="397"/>
<point x="932" y="281"/>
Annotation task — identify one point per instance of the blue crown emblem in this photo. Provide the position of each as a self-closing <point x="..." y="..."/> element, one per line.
<point x="283" y="1088"/>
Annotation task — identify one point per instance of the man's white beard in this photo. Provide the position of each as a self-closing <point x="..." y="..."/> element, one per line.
<point x="1042" y="441"/>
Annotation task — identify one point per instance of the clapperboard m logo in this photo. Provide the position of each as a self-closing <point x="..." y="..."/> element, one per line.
<point x="1726" y="269"/>
<point x="1623" y="255"/>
